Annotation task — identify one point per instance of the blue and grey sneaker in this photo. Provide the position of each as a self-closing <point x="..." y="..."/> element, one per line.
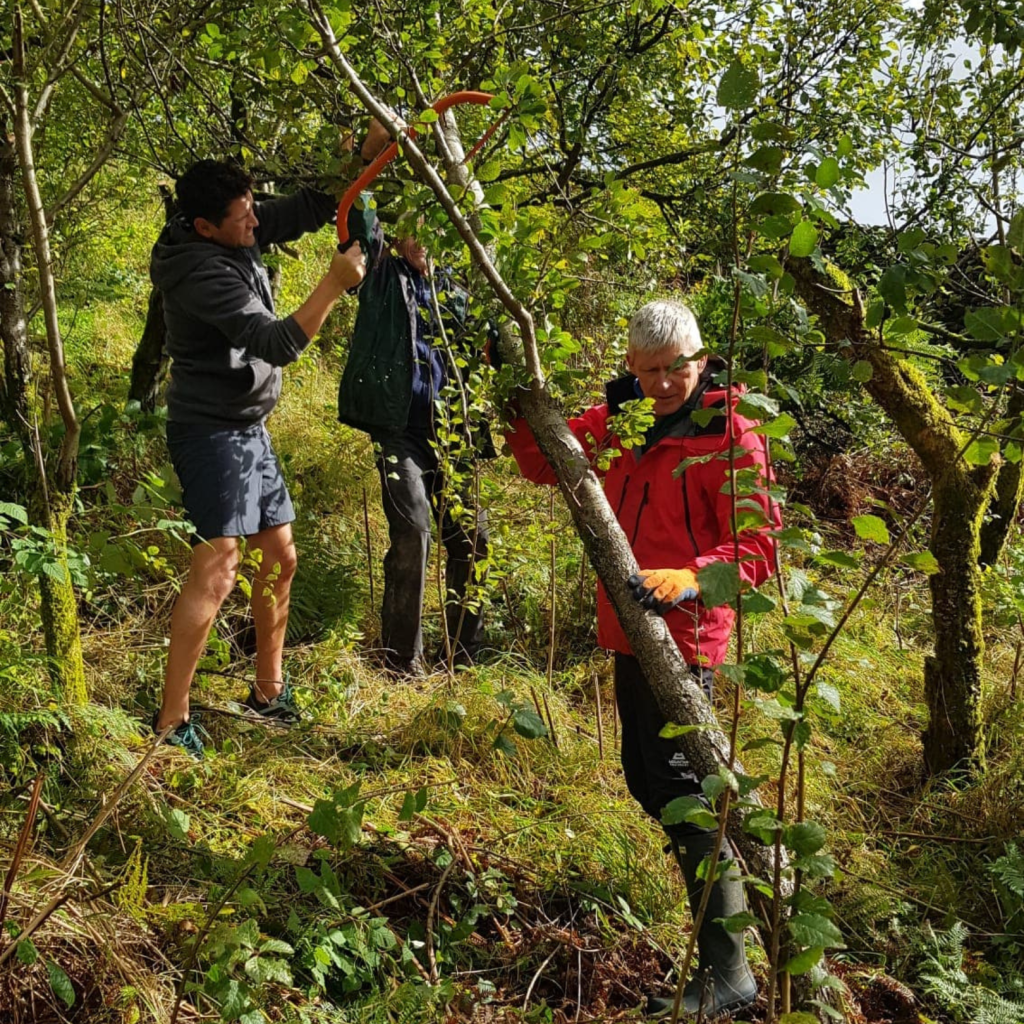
<point x="282" y="710"/>
<point x="186" y="735"/>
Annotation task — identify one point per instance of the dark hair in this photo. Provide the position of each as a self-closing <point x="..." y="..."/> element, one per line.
<point x="209" y="187"/>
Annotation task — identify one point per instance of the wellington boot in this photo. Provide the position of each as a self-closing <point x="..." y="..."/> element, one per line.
<point x="723" y="983"/>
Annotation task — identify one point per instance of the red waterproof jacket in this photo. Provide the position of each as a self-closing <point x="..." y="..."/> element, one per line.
<point x="674" y="522"/>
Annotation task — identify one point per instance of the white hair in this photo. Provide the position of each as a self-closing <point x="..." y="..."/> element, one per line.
<point x="663" y="324"/>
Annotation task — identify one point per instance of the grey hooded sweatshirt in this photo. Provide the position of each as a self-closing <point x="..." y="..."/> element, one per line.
<point x="224" y="339"/>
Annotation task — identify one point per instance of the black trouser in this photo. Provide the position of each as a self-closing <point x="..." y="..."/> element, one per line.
<point x="412" y="486"/>
<point x="656" y="770"/>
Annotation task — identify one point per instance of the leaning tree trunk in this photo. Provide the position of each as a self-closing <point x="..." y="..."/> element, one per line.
<point x="961" y="495"/>
<point x="679" y="697"/>
<point x="53" y="497"/>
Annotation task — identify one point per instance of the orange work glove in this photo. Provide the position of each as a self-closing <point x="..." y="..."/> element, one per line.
<point x="662" y="589"/>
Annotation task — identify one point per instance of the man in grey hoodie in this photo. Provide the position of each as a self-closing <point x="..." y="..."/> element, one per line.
<point x="227" y="347"/>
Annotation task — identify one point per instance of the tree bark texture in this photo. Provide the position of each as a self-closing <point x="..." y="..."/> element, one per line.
<point x="13" y="328"/>
<point x="961" y="494"/>
<point x="1009" y="492"/>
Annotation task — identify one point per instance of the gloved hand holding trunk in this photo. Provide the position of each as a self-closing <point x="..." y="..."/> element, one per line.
<point x="662" y="589"/>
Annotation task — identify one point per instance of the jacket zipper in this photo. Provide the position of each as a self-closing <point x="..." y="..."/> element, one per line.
<point x="639" y="513"/>
<point x="622" y="497"/>
<point x="686" y="516"/>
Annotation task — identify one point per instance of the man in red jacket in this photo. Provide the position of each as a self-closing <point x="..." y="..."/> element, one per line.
<point x="671" y="499"/>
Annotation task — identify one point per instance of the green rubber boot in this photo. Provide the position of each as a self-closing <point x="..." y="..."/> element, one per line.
<point x="723" y="982"/>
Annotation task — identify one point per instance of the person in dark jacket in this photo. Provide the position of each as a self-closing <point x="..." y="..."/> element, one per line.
<point x="399" y="365"/>
<point x="679" y="522"/>
<point x="227" y="347"/>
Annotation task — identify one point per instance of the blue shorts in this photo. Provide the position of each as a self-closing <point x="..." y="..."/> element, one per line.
<point x="231" y="480"/>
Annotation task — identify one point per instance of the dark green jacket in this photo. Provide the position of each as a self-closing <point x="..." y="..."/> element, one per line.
<point x="376" y="387"/>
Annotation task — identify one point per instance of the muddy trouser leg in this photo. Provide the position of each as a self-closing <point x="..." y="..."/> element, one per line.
<point x="465" y="540"/>
<point x="406" y="478"/>
<point x="657" y="773"/>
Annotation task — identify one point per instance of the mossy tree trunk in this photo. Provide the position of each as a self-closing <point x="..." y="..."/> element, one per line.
<point x="961" y="495"/>
<point x="51" y="489"/>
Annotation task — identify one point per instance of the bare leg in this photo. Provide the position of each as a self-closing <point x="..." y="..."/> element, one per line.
<point x="211" y="578"/>
<point x="270" y="594"/>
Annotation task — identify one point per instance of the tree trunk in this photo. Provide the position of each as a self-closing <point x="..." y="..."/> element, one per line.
<point x="54" y="492"/>
<point x="149" y="363"/>
<point x="13" y="329"/>
<point x="961" y="496"/>
<point x="1009" y="491"/>
<point x="59" y="608"/>
<point x="952" y="675"/>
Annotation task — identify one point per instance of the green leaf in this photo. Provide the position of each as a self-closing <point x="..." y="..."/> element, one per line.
<point x="844" y="559"/>
<point x="893" y="287"/>
<point x="814" y="930"/>
<point x="830" y="695"/>
<point x="804" y="239"/>
<point x="177" y="822"/>
<point x="428" y="116"/>
<point x="871" y="528"/>
<point x="505" y="745"/>
<point x="774" y="204"/>
<point x="799" y="1017"/>
<point x="828" y="172"/>
<point x="15" y="512"/>
<point x="738" y="87"/>
<point x="902" y="325"/>
<point x="489" y="171"/>
<point x="766" y="264"/>
<point x="1015" y="232"/>
<point x="26" y="952"/>
<point x="688" y="809"/>
<point x="261" y="853"/>
<point x="804" y="838"/>
<point x="757" y="604"/>
<point x="408" y="808"/>
<point x="755" y="405"/>
<point x="60" y="983"/>
<point x="988" y="323"/>
<point x="529" y="724"/>
<point x="741" y="921"/>
<point x="767" y="159"/>
<point x="962" y="398"/>
<point x="719" y="583"/>
<point x="801" y="964"/>
<point x="777" y="428"/>
<point x="234" y="1000"/>
<point x="862" y="371"/>
<point x="981" y="451"/>
<point x="922" y="561"/>
<point x="816" y="866"/>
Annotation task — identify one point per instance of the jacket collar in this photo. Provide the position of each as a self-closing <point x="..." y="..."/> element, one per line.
<point x="679" y="423"/>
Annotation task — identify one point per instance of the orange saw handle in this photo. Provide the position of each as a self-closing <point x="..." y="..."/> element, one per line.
<point x="387" y="155"/>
